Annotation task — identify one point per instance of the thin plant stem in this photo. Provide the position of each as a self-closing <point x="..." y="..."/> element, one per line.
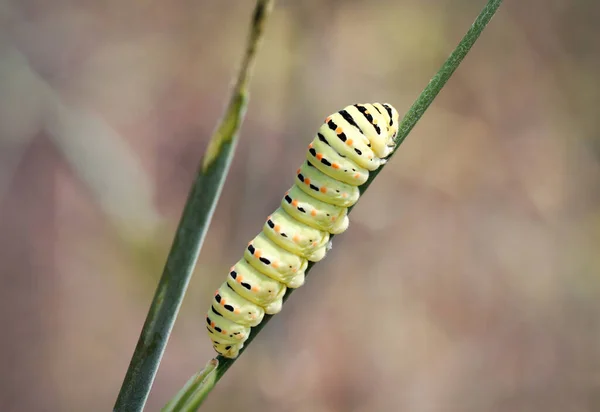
<point x="191" y="231"/>
<point x="406" y="125"/>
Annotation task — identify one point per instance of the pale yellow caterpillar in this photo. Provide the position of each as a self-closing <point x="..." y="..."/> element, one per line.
<point x="348" y="145"/>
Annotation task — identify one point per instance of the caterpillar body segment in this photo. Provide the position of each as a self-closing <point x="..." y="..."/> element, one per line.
<point x="234" y="307"/>
<point x="301" y="240"/>
<point x="255" y="287"/>
<point x="275" y="262"/>
<point x="321" y="155"/>
<point x="313" y="212"/>
<point x="227" y="349"/>
<point x="320" y="186"/>
<point x="225" y="330"/>
<point x="348" y="145"/>
<point x="348" y="141"/>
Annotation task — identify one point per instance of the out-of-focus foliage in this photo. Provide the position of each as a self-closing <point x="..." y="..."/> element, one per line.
<point x="468" y="281"/>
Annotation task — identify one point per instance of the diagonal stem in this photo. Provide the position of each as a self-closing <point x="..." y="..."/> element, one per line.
<point x="191" y="232"/>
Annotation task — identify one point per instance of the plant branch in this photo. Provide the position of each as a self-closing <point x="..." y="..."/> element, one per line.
<point x="191" y="231"/>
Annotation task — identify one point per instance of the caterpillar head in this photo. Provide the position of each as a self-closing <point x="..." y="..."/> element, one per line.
<point x="392" y="119"/>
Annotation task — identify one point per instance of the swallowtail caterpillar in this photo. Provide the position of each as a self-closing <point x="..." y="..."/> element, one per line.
<point x="348" y="145"/>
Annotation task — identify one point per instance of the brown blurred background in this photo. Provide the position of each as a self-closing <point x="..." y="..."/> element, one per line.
<point x="468" y="280"/>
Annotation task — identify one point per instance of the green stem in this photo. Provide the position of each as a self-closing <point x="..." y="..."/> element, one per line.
<point x="408" y="122"/>
<point x="191" y="231"/>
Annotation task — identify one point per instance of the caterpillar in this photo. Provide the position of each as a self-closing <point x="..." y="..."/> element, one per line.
<point x="347" y="146"/>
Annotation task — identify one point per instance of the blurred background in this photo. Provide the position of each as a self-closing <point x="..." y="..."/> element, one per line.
<point x="469" y="278"/>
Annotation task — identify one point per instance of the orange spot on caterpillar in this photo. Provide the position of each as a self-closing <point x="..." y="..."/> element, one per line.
<point x="310" y="146"/>
<point x="257" y="253"/>
<point x="349" y="142"/>
<point x="314" y="244"/>
<point x="374" y="121"/>
<point x="356" y="176"/>
<point x="231" y="269"/>
<point x="298" y="171"/>
<point x="344" y="195"/>
<point x="339" y="130"/>
<point x="307" y="181"/>
<point x="255" y="288"/>
<point x="333" y="218"/>
<point x="237" y="311"/>
<point x="239" y="279"/>
<point x="277" y="228"/>
<point x="222" y="302"/>
<point x="323" y="189"/>
<point x="294" y="203"/>
<point x="224" y="332"/>
<point x="313" y="212"/>
<point x="328" y="119"/>
<point x="216" y="292"/>
<point x="294" y="270"/>
<point x="319" y="156"/>
<point x="212" y="324"/>
<point x="296" y="238"/>
<point x="335" y="166"/>
<point x="275" y="265"/>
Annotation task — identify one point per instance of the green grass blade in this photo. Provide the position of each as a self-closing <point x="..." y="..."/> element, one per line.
<point x="190" y="234"/>
<point x="416" y="111"/>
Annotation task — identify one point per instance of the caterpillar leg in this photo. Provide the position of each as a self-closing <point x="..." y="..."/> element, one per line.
<point x="296" y="281"/>
<point x="340" y="226"/>
<point x="275" y="306"/>
<point x="318" y="254"/>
